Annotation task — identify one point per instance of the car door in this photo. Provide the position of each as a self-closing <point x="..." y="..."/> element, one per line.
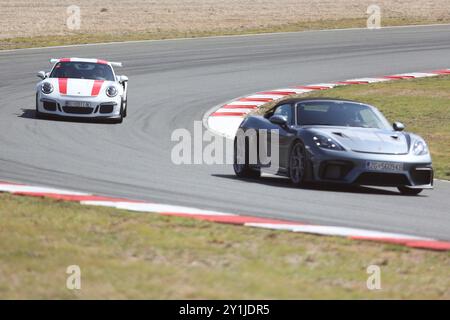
<point x="283" y="134"/>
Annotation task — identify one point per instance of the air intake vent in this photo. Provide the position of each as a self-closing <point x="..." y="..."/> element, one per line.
<point x="78" y="110"/>
<point x="106" y="108"/>
<point x="50" y="106"/>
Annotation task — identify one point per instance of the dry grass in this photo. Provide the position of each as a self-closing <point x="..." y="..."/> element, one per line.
<point x="31" y="22"/>
<point x="128" y="255"/>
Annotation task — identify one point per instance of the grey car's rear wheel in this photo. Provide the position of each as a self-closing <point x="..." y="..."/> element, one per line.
<point x="297" y="164"/>
<point x="242" y="169"/>
<point x="409" y="191"/>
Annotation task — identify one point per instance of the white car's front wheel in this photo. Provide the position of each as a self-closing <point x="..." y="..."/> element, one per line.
<point x="122" y="114"/>
<point x="125" y="107"/>
<point x="120" y="119"/>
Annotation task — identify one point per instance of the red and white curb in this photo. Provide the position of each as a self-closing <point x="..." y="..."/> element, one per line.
<point x="226" y="118"/>
<point x="222" y="217"/>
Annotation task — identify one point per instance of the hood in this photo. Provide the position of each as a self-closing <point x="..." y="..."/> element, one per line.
<point x="79" y="87"/>
<point x="367" y="140"/>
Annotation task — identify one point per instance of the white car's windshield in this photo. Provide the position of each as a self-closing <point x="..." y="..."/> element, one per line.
<point x="83" y="70"/>
<point x="339" y="113"/>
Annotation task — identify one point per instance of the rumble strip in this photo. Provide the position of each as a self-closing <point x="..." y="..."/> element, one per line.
<point x="221" y="217"/>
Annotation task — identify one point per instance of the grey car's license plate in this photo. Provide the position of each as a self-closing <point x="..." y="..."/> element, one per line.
<point x="78" y="104"/>
<point x="384" y="166"/>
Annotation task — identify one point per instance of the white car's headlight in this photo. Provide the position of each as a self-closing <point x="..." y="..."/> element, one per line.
<point x="111" y="91"/>
<point x="420" y="148"/>
<point x="326" y="143"/>
<point x="47" y="88"/>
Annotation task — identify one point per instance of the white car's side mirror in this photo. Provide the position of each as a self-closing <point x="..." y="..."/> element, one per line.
<point x="123" y="79"/>
<point x="42" y="75"/>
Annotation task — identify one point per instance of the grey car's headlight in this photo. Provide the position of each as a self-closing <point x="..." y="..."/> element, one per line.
<point x="420" y="148"/>
<point x="47" y="88"/>
<point x="326" y="143"/>
<point x="111" y="91"/>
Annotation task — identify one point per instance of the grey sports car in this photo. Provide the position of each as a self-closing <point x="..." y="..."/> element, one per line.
<point x="335" y="141"/>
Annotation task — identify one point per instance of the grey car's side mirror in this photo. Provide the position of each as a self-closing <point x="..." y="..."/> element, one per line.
<point x="279" y="120"/>
<point x="42" y="75"/>
<point x="398" y="126"/>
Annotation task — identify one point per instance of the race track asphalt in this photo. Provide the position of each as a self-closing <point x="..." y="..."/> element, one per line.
<point x="173" y="83"/>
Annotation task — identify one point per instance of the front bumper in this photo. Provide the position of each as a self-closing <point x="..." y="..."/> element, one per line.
<point x="92" y="107"/>
<point x="350" y="167"/>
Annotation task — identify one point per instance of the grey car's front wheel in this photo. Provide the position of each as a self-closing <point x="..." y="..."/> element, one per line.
<point x="409" y="191"/>
<point x="297" y="164"/>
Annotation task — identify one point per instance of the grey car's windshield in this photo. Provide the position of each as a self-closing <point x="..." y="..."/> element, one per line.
<point x="339" y="113"/>
<point x="83" y="70"/>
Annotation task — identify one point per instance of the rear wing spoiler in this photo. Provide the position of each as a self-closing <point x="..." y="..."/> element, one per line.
<point x="114" y="64"/>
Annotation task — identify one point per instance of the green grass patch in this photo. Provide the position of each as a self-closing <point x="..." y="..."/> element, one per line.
<point x="85" y="37"/>
<point x="128" y="255"/>
<point x="423" y="105"/>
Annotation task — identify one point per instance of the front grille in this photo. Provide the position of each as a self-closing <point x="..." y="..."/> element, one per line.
<point x="421" y="177"/>
<point x="78" y="110"/>
<point x="106" y="108"/>
<point x="382" y="179"/>
<point x="49" y="106"/>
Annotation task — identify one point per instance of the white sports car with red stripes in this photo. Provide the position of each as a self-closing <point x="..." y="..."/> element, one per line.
<point x="85" y="88"/>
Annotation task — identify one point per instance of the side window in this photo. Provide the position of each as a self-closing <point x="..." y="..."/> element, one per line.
<point x="284" y="110"/>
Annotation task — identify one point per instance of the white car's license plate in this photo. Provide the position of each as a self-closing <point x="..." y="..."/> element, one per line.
<point x="384" y="166"/>
<point x="78" y="104"/>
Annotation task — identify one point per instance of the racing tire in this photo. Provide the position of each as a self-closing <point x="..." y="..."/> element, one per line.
<point x="244" y="170"/>
<point x="120" y="118"/>
<point x="409" y="191"/>
<point x="298" y="165"/>
<point x="125" y="103"/>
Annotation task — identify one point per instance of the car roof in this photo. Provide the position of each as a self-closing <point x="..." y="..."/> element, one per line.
<point x="100" y="61"/>
<point x="297" y="100"/>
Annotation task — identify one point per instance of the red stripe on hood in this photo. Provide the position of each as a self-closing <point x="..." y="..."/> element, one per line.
<point x="62" y="84"/>
<point x="96" y="87"/>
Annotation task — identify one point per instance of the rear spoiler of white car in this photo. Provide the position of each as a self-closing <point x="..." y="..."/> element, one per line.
<point x="114" y="64"/>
